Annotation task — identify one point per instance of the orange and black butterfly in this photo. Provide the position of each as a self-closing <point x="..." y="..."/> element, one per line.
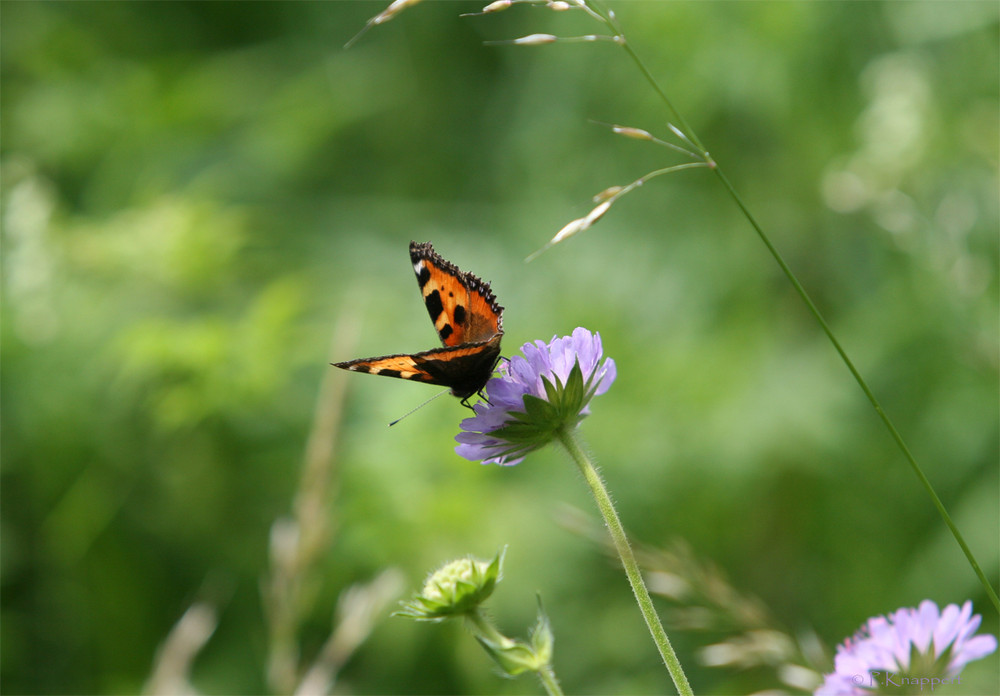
<point x="467" y="319"/>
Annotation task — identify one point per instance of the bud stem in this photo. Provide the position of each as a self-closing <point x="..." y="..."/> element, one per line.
<point x="479" y="625"/>
<point x="549" y="681"/>
<point x="570" y="440"/>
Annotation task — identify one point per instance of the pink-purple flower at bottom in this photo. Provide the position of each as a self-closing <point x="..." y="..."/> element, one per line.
<point x="548" y="388"/>
<point x="908" y="651"/>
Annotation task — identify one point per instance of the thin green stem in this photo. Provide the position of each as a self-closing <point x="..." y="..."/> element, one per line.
<point x="990" y="592"/>
<point x="478" y="623"/>
<point x="652" y="175"/>
<point x="924" y="481"/>
<point x="569" y="439"/>
<point x="549" y="681"/>
<point x="612" y="23"/>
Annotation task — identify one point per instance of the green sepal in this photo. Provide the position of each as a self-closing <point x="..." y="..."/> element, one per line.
<point x="516" y="657"/>
<point x="541" y="636"/>
<point x="552" y="391"/>
<point x="539" y="410"/>
<point x="536" y="426"/>
<point x="522" y="433"/>
<point x="573" y="392"/>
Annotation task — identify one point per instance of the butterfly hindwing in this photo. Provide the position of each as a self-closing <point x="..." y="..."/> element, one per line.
<point x="465" y="369"/>
<point x="402" y="366"/>
<point x="468" y="321"/>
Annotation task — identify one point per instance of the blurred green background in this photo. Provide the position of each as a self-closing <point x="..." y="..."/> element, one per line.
<point x="199" y="197"/>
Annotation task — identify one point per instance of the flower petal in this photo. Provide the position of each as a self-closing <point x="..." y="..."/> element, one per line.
<point x="509" y="424"/>
<point x="887" y="644"/>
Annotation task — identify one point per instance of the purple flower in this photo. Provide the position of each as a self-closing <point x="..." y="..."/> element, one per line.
<point x="910" y="648"/>
<point x="535" y="395"/>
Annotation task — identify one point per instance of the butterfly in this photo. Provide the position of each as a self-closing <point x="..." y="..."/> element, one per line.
<point x="468" y="321"/>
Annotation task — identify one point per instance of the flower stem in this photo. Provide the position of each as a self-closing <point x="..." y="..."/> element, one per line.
<point x="569" y="439"/>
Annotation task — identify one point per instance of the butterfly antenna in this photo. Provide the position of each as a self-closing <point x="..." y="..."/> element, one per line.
<point x="417" y="408"/>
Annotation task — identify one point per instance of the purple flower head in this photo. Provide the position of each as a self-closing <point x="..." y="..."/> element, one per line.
<point x="548" y="388"/>
<point x="908" y="646"/>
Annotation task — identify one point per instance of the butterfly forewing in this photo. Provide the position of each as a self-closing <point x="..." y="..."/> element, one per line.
<point x="461" y="306"/>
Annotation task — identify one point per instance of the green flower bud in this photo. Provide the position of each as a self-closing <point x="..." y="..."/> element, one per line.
<point x="516" y="657"/>
<point x="457" y="588"/>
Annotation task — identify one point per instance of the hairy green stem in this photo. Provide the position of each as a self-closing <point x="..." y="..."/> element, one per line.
<point x="549" y="681"/>
<point x="478" y="623"/>
<point x="569" y="439"/>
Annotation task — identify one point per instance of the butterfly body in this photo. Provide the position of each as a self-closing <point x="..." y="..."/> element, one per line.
<point x="468" y="321"/>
